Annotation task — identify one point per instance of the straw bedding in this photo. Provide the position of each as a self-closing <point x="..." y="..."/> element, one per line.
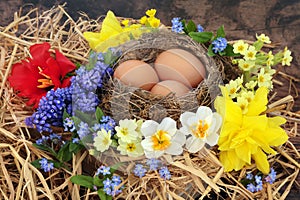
<point x="193" y="175"/>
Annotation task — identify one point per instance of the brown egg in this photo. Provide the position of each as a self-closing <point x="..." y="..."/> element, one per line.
<point x="180" y="65"/>
<point x="165" y="87"/>
<point x="136" y="73"/>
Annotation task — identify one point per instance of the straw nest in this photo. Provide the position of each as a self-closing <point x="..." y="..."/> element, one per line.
<point x="193" y="175"/>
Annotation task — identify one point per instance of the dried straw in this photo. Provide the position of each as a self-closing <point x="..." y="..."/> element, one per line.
<point x="193" y="175"/>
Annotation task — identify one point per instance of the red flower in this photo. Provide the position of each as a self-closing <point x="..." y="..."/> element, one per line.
<point x="34" y="77"/>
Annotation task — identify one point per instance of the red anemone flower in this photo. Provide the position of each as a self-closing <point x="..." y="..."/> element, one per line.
<point x="34" y="77"/>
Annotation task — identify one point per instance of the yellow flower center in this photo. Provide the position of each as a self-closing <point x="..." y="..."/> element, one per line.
<point x="124" y="131"/>
<point x="240" y="48"/>
<point x="161" y="140"/>
<point x="131" y="147"/>
<point x="200" y="130"/>
<point x="261" y="79"/>
<point x="105" y="141"/>
<point x="250" y="54"/>
<point x="45" y="82"/>
<point x="232" y="91"/>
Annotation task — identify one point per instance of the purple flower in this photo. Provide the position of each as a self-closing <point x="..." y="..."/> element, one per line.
<point x="177" y="25"/>
<point x="249" y="176"/>
<point x="153" y="163"/>
<point x="139" y="170"/>
<point x="251" y="187"/>
<point x="69" y="125"/>
<point x="271" y="177"/>
<point x="45" y="165"/>
<point x="103" y="170"/>
<point x="165" y="173"/>
<point x="75" y="140"/>
<point x="200" y="28"/>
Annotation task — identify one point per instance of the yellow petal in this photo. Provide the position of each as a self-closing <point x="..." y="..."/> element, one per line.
<point x="230" y="161"/>
<point x="261" y="161"/>
<point x="244" y="152"/>
<point x="258" y="104"/>
<point x="278" y="136"/>
<point x="93" y="38"/>
<point x="255" y="122"/>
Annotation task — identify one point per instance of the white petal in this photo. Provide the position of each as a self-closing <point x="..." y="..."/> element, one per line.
<point x="149" y="127"/>
<point x="184" y="118"/>
<point x="212" y="139"/>
<point x="216" y="123"/>
<point x="192" y="121"/>
<point x="174" y="149"/>
<point x="147" y="144"/>
<point x="179" y="138"/>
<point x="194" y="145"/>
<point x="203" y="112"/>
<point x="153" y="154"/>
<point x="168" y="124"/>
<point x="185" y="130"/>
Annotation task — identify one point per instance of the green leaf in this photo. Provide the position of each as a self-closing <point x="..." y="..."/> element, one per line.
<point x="102" y="194"/>
<point x="99" y="114"/>
<point x="45" y="148"/>
<point x="85" y="117"/>
<point x="191" y="27"/>
<point x="64" y="155"/>
<point x="98" y="182"/>
<point x="221" y="32"/>
<point x="201" y="37"/>
<point x="85" y="181"/>
<point x="65" y="114"/>
<point x="228" y="51"/>
<point x="210" y="51"/>
<point x="36" y="163"/>
<point x="258" y="45"/>
<point x="108" y="57"/>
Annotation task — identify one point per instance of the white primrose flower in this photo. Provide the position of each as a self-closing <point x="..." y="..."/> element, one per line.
<point x="126" y="131"/>
<point x="201" y="127"/>
<point x="132" y="149"/>
<point x="102" y="141"/>
<point x="161" y="138"/>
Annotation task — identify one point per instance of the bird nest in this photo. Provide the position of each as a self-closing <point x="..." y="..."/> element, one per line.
<point x="122" y="101"/>
<point x="193" y="175"/>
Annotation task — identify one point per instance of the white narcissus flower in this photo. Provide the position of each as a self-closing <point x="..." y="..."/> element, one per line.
<point x="132" y="149"/>
<point x="126" y="131"/>
<point x="161" y="138"/>
<point x="102" y="141"/>
<point x="201" y="127"/>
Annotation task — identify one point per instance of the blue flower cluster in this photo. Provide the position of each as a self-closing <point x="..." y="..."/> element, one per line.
<point x="111" y="185"/>
<point x="153" y="164"/>
<point x="219" y="44"/>
<point x="87" y="81"/>
<point x="69" y="125"/>
<point x="177" y="25"/>
<point x="256" y="182"/>
<point x="107" y="123"/>
<point x="51" y="109"/>
<point x="103" y="170"/>
<point x="46" y="165"/>
<point x="52" y="138"/>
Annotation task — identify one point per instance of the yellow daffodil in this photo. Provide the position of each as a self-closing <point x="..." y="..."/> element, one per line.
<point x="154" y="22"/>
<point x="112" y="33"/>
<point x="162" y="138"/>
<point x="144" y="20"/>
<point x="246" y="137"/>
<point x="263" y="38"/>
<point x="102" y="141"/>
<point x="240" y="47"/>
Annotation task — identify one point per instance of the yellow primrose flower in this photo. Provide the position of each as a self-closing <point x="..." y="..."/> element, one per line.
<point x="243" y="103"/>
<point x="162" y="138"/>
<point x="102" y="141"/>
<point x="264" y="79"/>
<point x="250" y="53"/>
<point x="125" y="22"/>
<point x="151" y="12"/>
<point x="248" y="95"/>
<point x="287" y="58"/>
<point x="126" y="131"/>
<point x="233" y="86"/>
<point x="246" y="65"/>
<point x="242" y="138"/>
<point x="263" y="38"/>
<point x="240" y="47"/>
<point x="270" y="59"/>
<point x="144" y="20"/>
<point x="154" y="22"/>
<point x="251" y="85"/>
<point x="132" y="149"/>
